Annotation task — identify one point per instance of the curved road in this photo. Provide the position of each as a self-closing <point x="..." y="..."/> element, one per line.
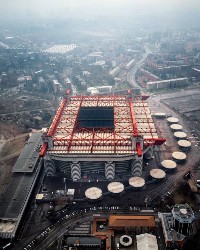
<point x="132" y="72"/>
<point x="54" y="233"/>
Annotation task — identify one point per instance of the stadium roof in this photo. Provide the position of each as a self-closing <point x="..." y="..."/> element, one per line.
<point x="101" y="125"/>
<point x="60" y="49"/>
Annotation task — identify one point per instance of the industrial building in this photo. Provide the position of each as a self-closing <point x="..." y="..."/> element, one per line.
<point x="171" y="83"/>
<point x="130" y="64"/>
<point x="110" y="134"/>
<point x="126" y="231"/>
<point x="75" y="242"/>
<point x="177" y="225"/>
<point x="115" y="71"/>
<point x="14" y="200"/>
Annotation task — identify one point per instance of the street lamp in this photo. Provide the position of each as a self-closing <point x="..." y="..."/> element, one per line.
<point x="64" y="180"/>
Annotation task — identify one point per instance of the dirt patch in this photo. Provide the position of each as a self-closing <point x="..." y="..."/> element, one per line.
<point x="6" y="173"/>
<point x="8" y="131"/>
<point x="11" y="145"/>
<point x="183" y="194"/>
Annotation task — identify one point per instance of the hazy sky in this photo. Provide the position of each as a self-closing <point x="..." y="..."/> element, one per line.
<point x="48" y="8"/>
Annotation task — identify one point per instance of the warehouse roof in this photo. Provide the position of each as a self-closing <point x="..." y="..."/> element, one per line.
<point x="131" y="221"/>
<point x="30" y="154"/>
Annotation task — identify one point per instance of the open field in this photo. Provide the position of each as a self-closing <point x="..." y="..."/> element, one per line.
<point x="11" y="145"/>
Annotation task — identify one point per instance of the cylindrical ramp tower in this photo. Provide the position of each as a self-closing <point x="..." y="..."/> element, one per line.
<point x="179" y="156"/>
<point x="93" y="194"/>
<point x="176" y="127"/>
<point x="75" y="171"/>
<point x="110" y="170"/>
<point x="184" y="145"/>
<point x="168" y="165"/>
<point x="50" y="167"/>
<point x="172" y="120"/>
<point x="136" y="167"/>
<point x="180" y="135"/>
<point x="137" y="182"/>
<point x="157" y="174"/>
<point x="116" y="188"/>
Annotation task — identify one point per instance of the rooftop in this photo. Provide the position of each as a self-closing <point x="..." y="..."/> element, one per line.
<point x="131" y="221"/>
<point x="157" y="173"/>
<point x="60" y="49"/>
<point x="183" y="213"/>
<point x="12" y="200"/>
<point x="169" y="80"/>
<point x="146" y="242"/>
<point x="136" y="181"/>
<point x="93" y="193"/>
<point x="184" y="143"/>
<point x="167" y="225"/>
<point x="179" y="155"/>
<point x="116" y="187"/>
<point x="29" y="156"/>
<point x="168" y="164"/>
<point x="83" y="241"/>
<point x="180" y="135"/>
<point x="102" y="125"/>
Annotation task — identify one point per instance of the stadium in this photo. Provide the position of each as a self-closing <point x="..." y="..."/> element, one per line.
<point x="107" y="134"/>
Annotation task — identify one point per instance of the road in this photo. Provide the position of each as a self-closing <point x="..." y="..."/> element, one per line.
<point x="132" y="72"/>
<point x="54" y="233"/>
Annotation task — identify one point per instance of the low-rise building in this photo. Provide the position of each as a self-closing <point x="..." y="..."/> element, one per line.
<point x="164" y="84"/>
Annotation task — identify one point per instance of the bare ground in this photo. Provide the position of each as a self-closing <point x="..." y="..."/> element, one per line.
<point x="11" y="145"/>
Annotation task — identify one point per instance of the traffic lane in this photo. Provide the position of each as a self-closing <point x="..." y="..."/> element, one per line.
<point x="56" y="233"/>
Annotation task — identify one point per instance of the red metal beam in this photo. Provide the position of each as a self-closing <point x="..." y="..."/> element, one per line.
<point x="159" y="141"/>
<point x="138" y="149"/>
<point x="43" y="149"/>
<point x="57" y="117"/>
<point x="73" y="130"/>
<point x="146" y="118"/>
<point x="114" y="125"/>
<point x="134" y="122"/>
<point x="93" y="134"/>
<point x="145" y="97"/>
<point x="154" y="141"/>
<point x="141" y="97"/>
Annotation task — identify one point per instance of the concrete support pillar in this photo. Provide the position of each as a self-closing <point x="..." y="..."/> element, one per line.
<point x="110" y="170"/>
<point x="49" y="165"/>
<point x="136" y="167"/>
<point x="75" y="171"/>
